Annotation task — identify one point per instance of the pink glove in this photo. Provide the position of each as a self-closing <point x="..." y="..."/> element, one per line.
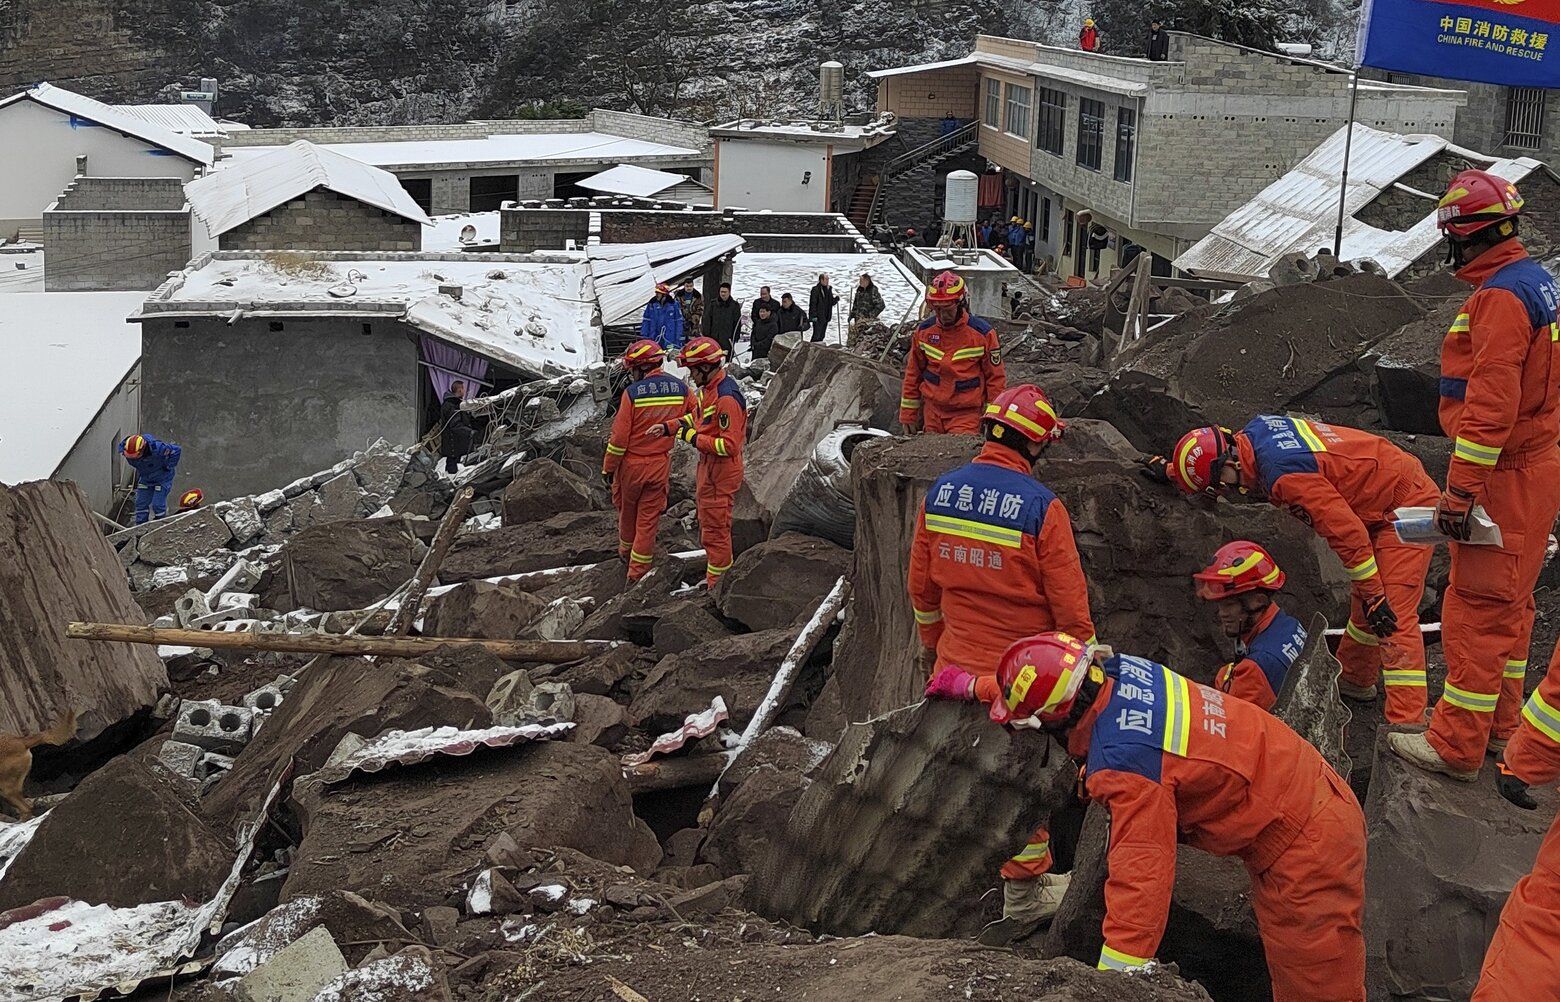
<point x="951" y="682"/>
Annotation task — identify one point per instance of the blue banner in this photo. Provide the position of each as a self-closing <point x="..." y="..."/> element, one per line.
<point x="1492" y="41"/>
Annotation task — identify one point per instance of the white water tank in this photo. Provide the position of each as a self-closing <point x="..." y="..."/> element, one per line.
<point x="831" y="90"/>
<point x="961" y="197"/>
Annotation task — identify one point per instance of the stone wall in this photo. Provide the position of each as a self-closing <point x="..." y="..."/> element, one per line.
<point x="115" y="234"/>
<point x="324" y="220"/>
<point x="526" y="230"/>
<point x="932" y="94"/>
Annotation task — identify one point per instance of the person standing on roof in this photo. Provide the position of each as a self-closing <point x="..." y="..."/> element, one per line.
<point x="637" y="465"/>
<point x="1345" y="484"/>
<point x="717" y="429"/>
<point x="663" y="322"/>
<point x="1500" y="404"/>
<point x="1089" y="37"/>
<point x="154" y="463"/>
<point x="723" y="319"/>
<point x="1241" y="582"/>
<point x="953" y="370"/>
<point x="1174" y="761"/>
<point x="1158" y="47"/>
<point x="994" y="560"/>
<point x="820" y="306"/>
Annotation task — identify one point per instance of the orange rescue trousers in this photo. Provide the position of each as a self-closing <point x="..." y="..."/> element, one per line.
<point x="1398" y="660"/>
<point x="1520" y="965"/>
<point x="717" y="496"/>
<point x="936" y="421"/>
<point x="639" y="492"/>
<point x="1487" y="612"/>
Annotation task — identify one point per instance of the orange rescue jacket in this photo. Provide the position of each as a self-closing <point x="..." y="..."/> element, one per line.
<point x="1263" y="659"/>
<point x="951" y="368"/>
<point x="656" y="399"/>
<point x="718" y="430"/>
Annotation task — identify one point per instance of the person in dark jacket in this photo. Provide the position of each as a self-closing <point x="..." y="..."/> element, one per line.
<point x="723" y="318"/>
<point x="765" y="327"/>
<point x="691" y="301"/>
<point x="820" y="306"/>
<point x="456" y="425"/>
<point x="791" y="318"/>
<point x="663" y="322"/>
<point x="764" y="299"/>
<point x="865" y="307"/>
<point x="1158" y="42"/>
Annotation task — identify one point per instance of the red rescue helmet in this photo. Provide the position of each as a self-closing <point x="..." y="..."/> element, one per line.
<point x="662" y="287"/>
<point x="702" y="351"/>
<point x="1199" y="458"/>
<point x="945" y="288"/>
<point x="135" y="447"/>
<point x="643" y="354"/>
<point x="1237" y="568"/>
<point x="192" y="498"/>
<point x="1039" y="677"/>
<point x="1476" y="199"/>
<point x="1026" y="410"/>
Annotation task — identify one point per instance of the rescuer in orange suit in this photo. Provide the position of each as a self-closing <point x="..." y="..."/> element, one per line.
<point x="1500" y="370"/>
<point x="994" y="560"/>
<point x="718" y="430"/>
<point x="637" y="466"/>
<point x="1242" y="581"/>
<point x="1176" y="761"/>
<point x="1345" y="484"/>
<point x="1520" y="964"/>
<point x="953" y="370"/>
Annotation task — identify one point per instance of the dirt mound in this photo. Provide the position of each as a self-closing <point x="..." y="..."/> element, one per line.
<point x="564" y="540"/>
<point x="780" y="579"/>
<point x="1406" y="372"/>
<point x="130" y="834"/>
<point x="341" y="565"/>
<point x="541" y="489"/>
<point x="411" y="836"/>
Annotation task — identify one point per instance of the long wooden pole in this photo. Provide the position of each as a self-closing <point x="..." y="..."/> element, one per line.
<point x="411" y="605"/>
<point x="542" y="651"/>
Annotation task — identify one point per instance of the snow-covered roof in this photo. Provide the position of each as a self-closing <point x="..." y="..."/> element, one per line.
<point x="252" y="187"/>
<point x="118" y="119"/>
<point x="533" y="313"/>
<point x="66" y="354"/>
<point x="500" y="149"/>
<point x="798" y="273"/>
<point x="1083" y="78"/>
<point x="844" y="137"/>
<point x="1299" y="211"/>
<point x="445" y="235"/>
<point x="625" y="274"/>
<point x="185" y="119"/>
<point x="895" y="71"/>
<point x="629" y="179"/>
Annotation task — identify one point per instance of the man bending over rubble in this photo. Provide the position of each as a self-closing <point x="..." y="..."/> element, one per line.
<point x="953" y="371"/>
<point x="638" y="465"/>
<point x="154" y="463"/>
<point x="1242" y="581"/>
<point x="1345" y="484"/>
<point x="994" y="560"/>
<point x="1173" y="760"/>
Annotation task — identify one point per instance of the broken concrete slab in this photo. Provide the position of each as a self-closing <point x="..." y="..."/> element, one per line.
<point x="354" y="922"/>
<point x="776" y="581"/>
<point x="380" y="473"/>
<point x="55" y="567"/>
<point x="341" y="565"/>
<point x="687" y="622"/>
<point x="1441" y="858"/>
<point x="412" y="975"/>
<point x="408" y="835"/>
<point x="336" y="500"/>
<point x="160" y="848"/>
<point x="738" y="669"/>
<point x="482" y="609"/>
<point x="566" y="540"/>
<point x="182" y="758"/>
<point x="243" y="519"/>
<point x="542" y="489"/>
<point x="297" y="972"/>
<point x="182" y="538"/>
<point x="918" y="780"/>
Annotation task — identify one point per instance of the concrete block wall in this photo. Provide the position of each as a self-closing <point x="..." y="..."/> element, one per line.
<point x="799" y="243"/>
<point x="524" y="230"/>
<point x="655" y="130"/>
<point x="156" y="193"/>
<point x="323" y="220"/>
<point x="1120" y="67"/>
<point x="111" y="250"/>
<point x="617" y="123"/>
<point x="932" y="94"/>
<point x="527" y="228"/>
<point x="1481" y="125"/>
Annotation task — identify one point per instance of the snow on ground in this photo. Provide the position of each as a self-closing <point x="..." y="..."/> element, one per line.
<point x="14" y="838"/>
<point x="598" y="146"/>
<point x="21" y="268"/>
<point x="66" y="353"/>
<point x="80" y="946"/>
<point x="444" y="235"/>
<point x="798" y="273"/>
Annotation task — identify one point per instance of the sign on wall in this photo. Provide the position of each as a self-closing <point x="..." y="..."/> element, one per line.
<point x="1510" y="42"/>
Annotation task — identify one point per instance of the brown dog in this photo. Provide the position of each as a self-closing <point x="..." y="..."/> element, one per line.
<point x="16" y="760"/>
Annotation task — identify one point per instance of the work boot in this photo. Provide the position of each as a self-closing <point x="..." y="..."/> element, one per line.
<point x="1358" y="693"/>
<point x="1415" y="749"/>
<point x="1495" y="746"/>
<point x="1026" y="904"/>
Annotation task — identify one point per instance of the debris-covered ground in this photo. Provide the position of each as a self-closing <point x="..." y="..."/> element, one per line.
<point x="616" y="799"/>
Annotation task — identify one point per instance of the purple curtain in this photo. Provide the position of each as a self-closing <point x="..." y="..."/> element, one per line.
<point x="447" y="363"/>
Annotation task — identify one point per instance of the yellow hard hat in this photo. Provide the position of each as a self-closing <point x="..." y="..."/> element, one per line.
<point x="1088" y="22"/>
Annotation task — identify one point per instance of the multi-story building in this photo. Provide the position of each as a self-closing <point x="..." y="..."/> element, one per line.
<point x="1110" y="156"/>
<point x="1501" y="121"/>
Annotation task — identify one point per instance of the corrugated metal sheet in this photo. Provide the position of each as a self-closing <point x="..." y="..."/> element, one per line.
<point x="83" y="107"/>
<point x="185" y="119"/>
<point x="252" y="187"/>
<point x="639" y="182"/>
<point x="1299" y="211"/>
<point x="625" y="274"/>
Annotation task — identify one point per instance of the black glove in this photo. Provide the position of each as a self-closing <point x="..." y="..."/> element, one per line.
<point x="1155" y="468"/>
<point x="1454" y="513"/>
<point x="1380" y="617"/>
<point x="607" y="477"/>
<point x="1512" y="788"/>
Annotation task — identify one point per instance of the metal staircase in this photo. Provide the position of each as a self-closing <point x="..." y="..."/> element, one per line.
<point x="921" y="162"/>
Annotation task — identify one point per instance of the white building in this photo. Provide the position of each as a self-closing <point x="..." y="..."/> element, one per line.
<point x="792" y="167"/>
<point x="49" y="135"/>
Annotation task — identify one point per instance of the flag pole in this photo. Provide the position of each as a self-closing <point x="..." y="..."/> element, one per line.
<point x="1348" y="145"/>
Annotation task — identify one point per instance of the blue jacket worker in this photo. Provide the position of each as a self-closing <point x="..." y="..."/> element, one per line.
<point x="154" y="463"/>
<point x="663" y="321"/>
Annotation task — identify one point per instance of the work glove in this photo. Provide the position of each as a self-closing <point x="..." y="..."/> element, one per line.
<point x="951" y="683"/>
<point x="1155" y="468"/>
<point x="1454" y="513"/>
<point x="1512" y="788"/>
<point x="1380" y="617"/>
<point x="606" y="476"/>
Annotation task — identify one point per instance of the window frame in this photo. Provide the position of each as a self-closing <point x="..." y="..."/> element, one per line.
<point x="1126" y="144"/>
<point x="1097" y="134"/>
<point x="1051" y="121"/>
<point x="1526" y="111"/>
<point x="1024" y="110"/>
<point x="992" y="117"/>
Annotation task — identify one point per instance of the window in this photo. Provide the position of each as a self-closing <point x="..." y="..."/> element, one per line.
<point x="1044" y="233"/>
<point x="1525" y="117"/>
<point x="1018" y="110"/>
<point x="1067" y="234"/>
<point x="1053" y="114"/>
<point x="993" y="103"/>
<point x="1126" y="139"/>
<point x="1091" y="133"/>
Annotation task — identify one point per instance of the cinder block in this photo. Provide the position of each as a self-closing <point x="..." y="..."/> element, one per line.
<point x="211" y="764"/>
<point x="214" y="727"/>
<point x="182" y="758"/>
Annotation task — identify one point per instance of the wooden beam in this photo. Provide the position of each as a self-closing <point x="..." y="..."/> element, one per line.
<point x="411" y="604"/>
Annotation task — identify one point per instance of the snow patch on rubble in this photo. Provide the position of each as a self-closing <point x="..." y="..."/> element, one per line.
<point x="244" y="949"/>
<point x="479" y="900"/>
<point x="382" y="981"/>
<point x="354" y="754"/>
<point x="14" y="838"/>
<point x="78" y="944"/>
